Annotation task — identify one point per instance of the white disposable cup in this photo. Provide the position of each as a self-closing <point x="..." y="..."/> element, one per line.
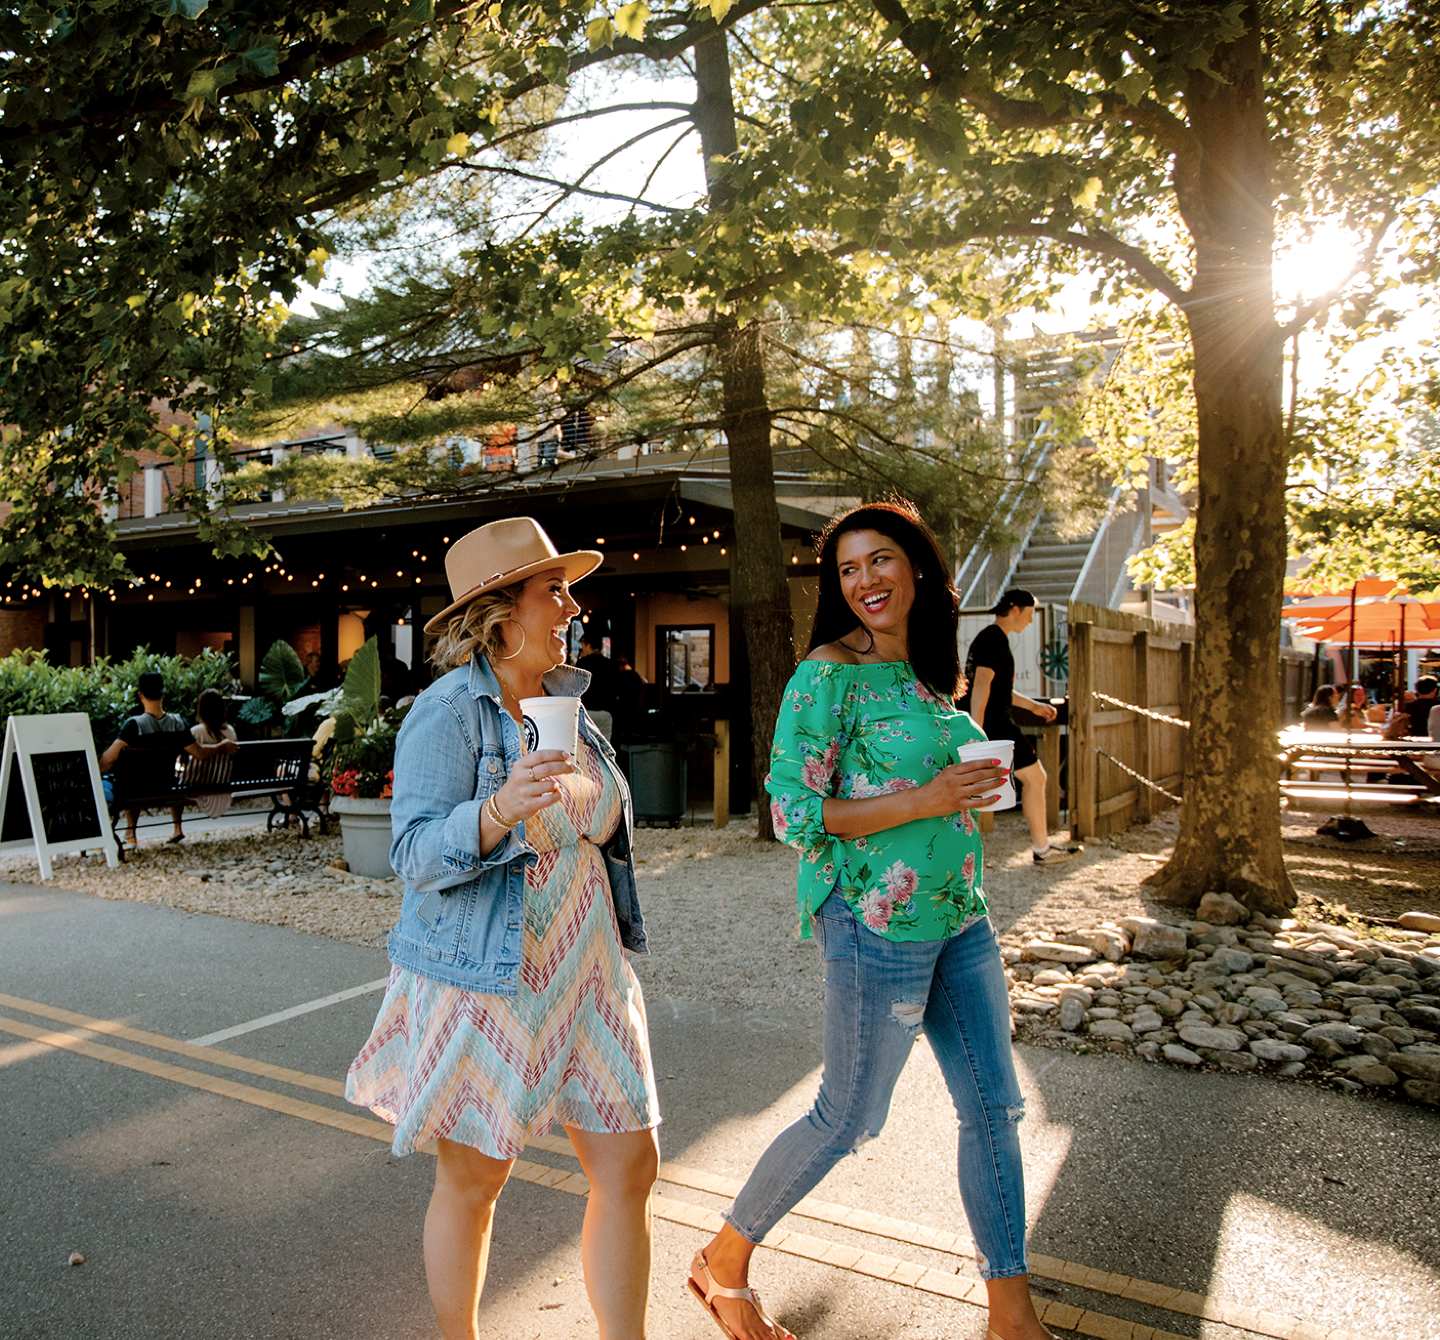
<point x="1004" y="750"/>
<point x="551" y="722"/>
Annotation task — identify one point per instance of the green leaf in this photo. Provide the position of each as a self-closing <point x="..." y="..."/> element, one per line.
<point x="630" y="19"/>
<point x="361" y="689"/>
<point x="600" y="33"/>
<point x="282" y="676"/>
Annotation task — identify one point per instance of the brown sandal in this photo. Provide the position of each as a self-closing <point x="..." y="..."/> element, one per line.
<point x="700" y="1274"/>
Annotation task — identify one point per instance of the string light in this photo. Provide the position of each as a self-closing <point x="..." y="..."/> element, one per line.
<point x="636" y="557"/>
<point x="682" y="548"/>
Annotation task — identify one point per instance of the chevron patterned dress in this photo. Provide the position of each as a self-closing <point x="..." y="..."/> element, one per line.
<point x="570" y="1048"/>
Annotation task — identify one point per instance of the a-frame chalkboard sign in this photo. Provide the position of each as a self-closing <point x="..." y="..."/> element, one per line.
<point x="50" y="788"/>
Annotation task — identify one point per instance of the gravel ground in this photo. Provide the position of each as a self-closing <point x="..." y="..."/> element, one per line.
<point x="720" y="907"/>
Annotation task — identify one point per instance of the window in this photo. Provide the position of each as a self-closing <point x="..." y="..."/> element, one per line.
<point x="685" y="657"/>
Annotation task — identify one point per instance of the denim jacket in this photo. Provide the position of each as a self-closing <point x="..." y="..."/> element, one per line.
<point x="462" y="919"/>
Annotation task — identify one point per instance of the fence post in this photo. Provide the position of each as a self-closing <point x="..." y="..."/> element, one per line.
<point x="722" y="773"/>
<point x="1187" y="656"/>
<point x="1050" y="761"/>
<point x="1082" y="732"/>
<point x="1144" y="797"/>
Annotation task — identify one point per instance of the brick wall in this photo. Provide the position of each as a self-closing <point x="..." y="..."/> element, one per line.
<point x="21" y="628"/>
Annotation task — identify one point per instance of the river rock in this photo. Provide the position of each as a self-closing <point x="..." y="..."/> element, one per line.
<point x="1146" y="1021"/>
<point x="1422" y="1016"/>
<point x="1398" y="1034"/>
<point x="1241" y="1061"/>
<point x="1422" y="1091"/>
<point x="1346" y="1035"/>
<point x="1156" y="940"/>
<point x="1219" y="1039"/>
<point x="1051" y="977"/>
<point x="1049" y="951"/>
<point x="1368" y="1071"/>
<point x="1418" y="921"/>
<point x="1072" y="1012"/>
<point x="1232" y="1012"/>
<point x="1111" y="945"/>
<point x="1416" y="1067"/>
<point x="1398" y="967"/>
<point x="1222" y="909"/>
<point x="1231" y="960"/>
<point x="1173" y="1051"/>
<point x="1112" y="1029"/>
<point x="1378" y="1047"/>
<point x="1268" y="1049"/>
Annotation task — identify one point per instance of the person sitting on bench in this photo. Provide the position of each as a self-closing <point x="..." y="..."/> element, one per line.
<point x="155" y="728"/>
<point x="211" y="730"/>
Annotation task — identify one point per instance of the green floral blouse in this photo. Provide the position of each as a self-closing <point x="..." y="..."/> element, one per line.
<point x="851" y="731"/>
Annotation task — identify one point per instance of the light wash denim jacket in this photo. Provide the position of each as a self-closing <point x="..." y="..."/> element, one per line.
<point x="462" y="919"/>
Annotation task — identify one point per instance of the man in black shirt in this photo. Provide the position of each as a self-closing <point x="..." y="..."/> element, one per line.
<point x="599" y="698"/>
<point x="990" y="672"/>
<point x="1418" y="709"/>
<point x="155" y="728"/>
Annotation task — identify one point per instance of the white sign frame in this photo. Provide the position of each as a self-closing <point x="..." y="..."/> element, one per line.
<point x="63" y="732"/>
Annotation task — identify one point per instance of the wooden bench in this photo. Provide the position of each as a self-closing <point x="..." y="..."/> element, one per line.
<point x="144" y="778"/>
<point x="1356" y="760"/>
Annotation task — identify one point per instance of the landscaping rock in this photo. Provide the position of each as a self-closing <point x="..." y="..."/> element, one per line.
<point x="1112" y="1029"/>
<point x="1371" y="1073"/>
<point x="1268" y="1049"/>
<point x="1241" y="1061"/>
<point x="1378" y="1047"/>
<point x="1425" y="1016"/>
<point x="1416" y="1067"/>
<point x="1422" y="1091"/>
<point x="1418" y="921"/>
<point x="1111" y="945"/>
<point x="1047" y="951"/>
<point x="1158" y="941"/>
<point x="1219" y="1039"/>
<point x="1173" y="1051"/>
<point x="1231" y="960"/>
<point x="1346" y="1035"/>
<point x="1222" y="909"/>
<point x="1072" y="1012"/>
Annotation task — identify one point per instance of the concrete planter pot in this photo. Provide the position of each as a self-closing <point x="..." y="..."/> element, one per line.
<point x="365" y="833"/>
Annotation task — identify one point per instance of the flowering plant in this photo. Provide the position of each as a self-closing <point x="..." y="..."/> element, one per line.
<point x="362" y="760"/>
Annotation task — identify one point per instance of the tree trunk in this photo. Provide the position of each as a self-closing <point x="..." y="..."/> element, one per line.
<point x="760" y="588"/>
<point x="1230" y="821"/>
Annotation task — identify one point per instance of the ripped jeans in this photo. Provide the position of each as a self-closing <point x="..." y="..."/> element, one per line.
<point x="878" y="993"/>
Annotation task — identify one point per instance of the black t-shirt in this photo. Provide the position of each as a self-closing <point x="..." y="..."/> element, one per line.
<point x="991" y="649"/>
<point x="1419" y="713"/>
<point x="164" y="732"/>
<point x="600" y="696"/>
<point x="1319" y="717"/>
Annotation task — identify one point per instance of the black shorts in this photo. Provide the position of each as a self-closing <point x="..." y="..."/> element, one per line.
<point x="1025" y="753"/>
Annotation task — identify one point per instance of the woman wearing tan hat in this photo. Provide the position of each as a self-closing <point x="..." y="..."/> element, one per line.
<point x="510" y="1006"/>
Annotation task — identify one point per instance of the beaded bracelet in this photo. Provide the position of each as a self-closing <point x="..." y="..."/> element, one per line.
<point x="493" y="810"/>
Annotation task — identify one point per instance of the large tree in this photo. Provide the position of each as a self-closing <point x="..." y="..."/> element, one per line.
<point x="1170" y="149"/>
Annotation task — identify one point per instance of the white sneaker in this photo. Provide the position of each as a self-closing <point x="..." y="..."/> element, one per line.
<point x="1052" y="855"/>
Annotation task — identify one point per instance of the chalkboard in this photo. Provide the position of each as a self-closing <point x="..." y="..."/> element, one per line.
<point x="50" y="787"/>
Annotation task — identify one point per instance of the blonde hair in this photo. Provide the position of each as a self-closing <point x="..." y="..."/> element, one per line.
<point x="476" y="628"/>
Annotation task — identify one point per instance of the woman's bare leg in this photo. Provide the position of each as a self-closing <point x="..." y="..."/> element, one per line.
<point x="457" y="1234"/>
<point x="615" y="1240"/>
<point x="1012" y="1310"/>
<point x="727" y="1257"/>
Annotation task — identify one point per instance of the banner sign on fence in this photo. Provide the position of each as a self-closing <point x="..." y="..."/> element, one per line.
<point x="50" y="788"/>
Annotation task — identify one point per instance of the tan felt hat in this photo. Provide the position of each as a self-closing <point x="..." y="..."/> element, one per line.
<point x="501" y="554"/>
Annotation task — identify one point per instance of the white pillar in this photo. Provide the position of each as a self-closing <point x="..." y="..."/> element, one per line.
<point x="154" y="489"/>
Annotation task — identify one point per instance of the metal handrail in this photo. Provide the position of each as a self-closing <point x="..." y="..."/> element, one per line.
<point x="981" y="553"/>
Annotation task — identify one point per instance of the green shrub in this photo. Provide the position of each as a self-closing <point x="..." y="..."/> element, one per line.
<point x="105" y="691"/>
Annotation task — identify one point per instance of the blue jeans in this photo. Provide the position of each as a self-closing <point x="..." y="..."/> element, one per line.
<point x="878" y="994"/>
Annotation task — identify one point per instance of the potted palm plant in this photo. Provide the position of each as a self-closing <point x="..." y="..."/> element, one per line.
<point x="361" y="766"/>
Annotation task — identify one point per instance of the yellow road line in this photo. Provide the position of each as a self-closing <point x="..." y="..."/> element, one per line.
<point x="926" y="1279"/>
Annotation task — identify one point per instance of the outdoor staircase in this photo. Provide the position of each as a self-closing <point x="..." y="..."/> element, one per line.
<point x="1049" y="567"/>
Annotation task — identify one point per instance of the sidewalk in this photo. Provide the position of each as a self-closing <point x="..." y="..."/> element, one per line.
<point x="230" y="1192"/>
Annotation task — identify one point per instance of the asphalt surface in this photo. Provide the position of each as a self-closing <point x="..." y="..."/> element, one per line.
<point x="211" y="1214"/>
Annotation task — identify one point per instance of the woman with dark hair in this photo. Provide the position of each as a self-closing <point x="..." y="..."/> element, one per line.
<point x="209" y="731"/>
<point x="990" y="669"/>
<point x="865" y="779"/>
<point x="1322" y="714"/>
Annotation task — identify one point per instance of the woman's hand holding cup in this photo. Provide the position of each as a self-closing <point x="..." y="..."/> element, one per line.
<point x="531" y="785"/>
<point x="967" y="785"/>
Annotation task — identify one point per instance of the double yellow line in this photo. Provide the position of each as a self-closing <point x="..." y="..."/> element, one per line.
<point x="82" y="1037"/>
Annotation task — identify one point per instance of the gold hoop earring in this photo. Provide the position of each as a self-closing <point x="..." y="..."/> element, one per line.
<point x="521" y="647"/>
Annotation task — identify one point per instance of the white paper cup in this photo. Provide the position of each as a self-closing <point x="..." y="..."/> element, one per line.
<point x="551" y="722"/>
<point x="1004" y="750"/>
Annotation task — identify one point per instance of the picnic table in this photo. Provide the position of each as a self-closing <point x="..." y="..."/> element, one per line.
<point x="1358" y="754"/>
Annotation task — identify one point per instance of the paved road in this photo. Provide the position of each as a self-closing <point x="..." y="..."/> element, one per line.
<point x="213" y="1201"/>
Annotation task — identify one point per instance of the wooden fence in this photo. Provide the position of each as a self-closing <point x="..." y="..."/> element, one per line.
<point x="1141" y="663"/>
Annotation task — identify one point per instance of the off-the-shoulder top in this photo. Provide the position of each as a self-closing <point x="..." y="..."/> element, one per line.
<point x="852" y="731"/>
